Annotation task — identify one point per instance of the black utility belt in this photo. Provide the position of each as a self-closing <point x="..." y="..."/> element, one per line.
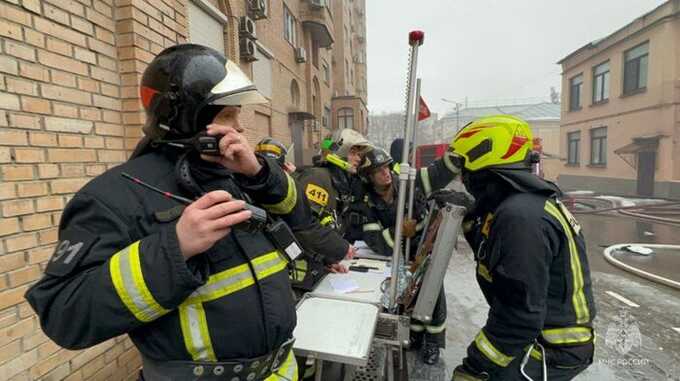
<point x="255" y="369"/>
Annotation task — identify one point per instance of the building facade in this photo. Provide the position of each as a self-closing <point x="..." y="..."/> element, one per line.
<point x="70" y="109"/>
<point x="621" y="109"/>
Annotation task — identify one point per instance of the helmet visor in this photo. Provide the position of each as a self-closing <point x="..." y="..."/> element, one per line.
<point x="235" y="89"/>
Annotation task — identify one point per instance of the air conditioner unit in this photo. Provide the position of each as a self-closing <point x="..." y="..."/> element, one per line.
<point x="257" y="9"/>
<point x="300" y="55"/>
<point x="247" y="49"/>
<point x="246" y="27"/>
<point x="317" y="3"/>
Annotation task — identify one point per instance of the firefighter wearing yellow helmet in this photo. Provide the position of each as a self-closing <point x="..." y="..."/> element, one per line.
<point x="531" y="261"/>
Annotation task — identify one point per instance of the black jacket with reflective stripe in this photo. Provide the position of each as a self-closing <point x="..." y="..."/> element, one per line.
<point x="79" y="303"/>
<point x="525" y="268"/>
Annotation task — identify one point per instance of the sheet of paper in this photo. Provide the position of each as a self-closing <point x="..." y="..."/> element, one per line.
<point x="344" y="285"/>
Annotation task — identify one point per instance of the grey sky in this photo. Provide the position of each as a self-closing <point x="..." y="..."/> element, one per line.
<point x="482" y="49"/>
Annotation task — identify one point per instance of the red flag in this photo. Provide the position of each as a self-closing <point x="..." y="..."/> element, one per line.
<point x="423" y="110"/>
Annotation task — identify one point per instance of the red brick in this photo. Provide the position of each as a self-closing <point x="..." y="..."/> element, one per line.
<point x="29" y="155"/>
<point x="47" y="171"/>
<point x="25" y="275"/>
<point x="94" y="142"/>
<point x="20" y="51"/>
<point x="17" y="208"/>
<point x="21" y="87"/>
<point x="11" y="262"/>
<point x="32" y="5"/>
<point x="34" y="72"/>
<point x="107" y="63"/>
<point x="49" y="203"/>
<point x="59" y="46"/>
<point x="13" y="137"/>
<point x="95" y="170"/>
<point x="99" y="19"/>
<point x="53" y="29"/>
<point x="63" y="79"/>
<point x="104" y="35"/>
<point x="111" y="156"/>
<point x="111" y="116"/>
<point x="103" y="8"/>
<point x="106" y="102"/>
<point x="24" y="121"/>
<point x="109" y="129"/>
<point x="101" y="47"/>
<point x="17" y="172"/>
<point x="105" y="75"/>
<point x="91" y="114"/>
<point x="36" y="222"/>
<point x="42" y="139"/>
<point x="61" y="62"/>
<point x="114" y="143"/>
<point x="110" y="90"/>
<point x="31" y="189"/>
<point x="20" y="242"/>
<point x="88" y="85"/>
<point x="35" y="105"/>
<point x="15" y="15"/>
<point x="9" y="226"/>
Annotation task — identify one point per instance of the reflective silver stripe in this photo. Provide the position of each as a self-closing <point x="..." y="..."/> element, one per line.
<point x="449" y="164"/>
<point x="569" y="335"/>
<point x="288" y="371"/>
<point x="195" y="332"/>
<point x="286" y="205"/>
<point x="372" y="227"/>
<point x="128" y="280"/>
<point x="435" y="328"/>
<point x="425" y="178"/>
<point x="388" y="237"/>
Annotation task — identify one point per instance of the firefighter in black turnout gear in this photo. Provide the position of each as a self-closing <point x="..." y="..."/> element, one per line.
<point x="199" y="295"/>
<point x="323" y="247"/>
<point x="332" y="184"/>
<point x="378" y="228"/>
<point x="531" y="262"/>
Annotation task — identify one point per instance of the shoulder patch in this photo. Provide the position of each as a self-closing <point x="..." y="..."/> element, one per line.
<point x="70" y="250"/>
<point x="316" y="194"/>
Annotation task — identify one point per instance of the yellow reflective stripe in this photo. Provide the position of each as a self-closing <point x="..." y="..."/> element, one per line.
<point x="578" y="297"/>
<point x="237" y="278"/>
<point x="276" y="150"/>
<point x="288" y="370"/>
<point x="126" y="273"/>
<point x="425" y="178"/>
<point x="388" y="237"/>
<point x="569" y="335"/>
<point x="434" y="329"/>
<point x="195" y="332"/>
<point x="484" y="272"/>
<point x="300" y="269"/>
<point x="536" y="354"/>
<point x="460" y="376"/>
<point x="449" y="164"/>
<point x="326" y="220"/>
<point x="488" y="350"/>
<point x="397" y="168"/>
<point x="288" y="203"/>
<point x="371" y="227"/>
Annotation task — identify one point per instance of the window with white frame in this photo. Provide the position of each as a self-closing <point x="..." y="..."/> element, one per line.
<point x="573" y="147"/>
<point x="289" y="26"/>
<point x="345" y="118"/>
<point x="598" y="146"/>
<point x="601" y="82"/>
<point x="635" y="68"/>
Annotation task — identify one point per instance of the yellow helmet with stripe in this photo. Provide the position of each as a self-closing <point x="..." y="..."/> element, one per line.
<point x="494" y="142"/>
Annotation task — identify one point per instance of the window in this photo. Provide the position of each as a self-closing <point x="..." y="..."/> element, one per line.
<point x="598" y="146"/>
<point x="345" y="118"/>
<point x="346" y="72"/>
<point x="575" y="86"/>
<point x="573" y="148"/>
<point x="326" y="73"/>
<point x="289" y="26"/>
<point x="206" y="25"/>
<point x="315" y="53"/>
<point x="294" y="93"/>
<point x="635" y="68"/>
<point x="262" y="73"/>
<point x="326" y="117"/>
<point x="601" y="82"/>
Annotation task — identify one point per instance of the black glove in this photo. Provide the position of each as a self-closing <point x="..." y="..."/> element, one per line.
<point x="464" y="373"/>
<point x="447" y="196"/>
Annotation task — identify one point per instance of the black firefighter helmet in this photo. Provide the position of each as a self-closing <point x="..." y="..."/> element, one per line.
<point x="273" y="148"/>
<point x="373" y="160"/>
<point x="186" y="86"/>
